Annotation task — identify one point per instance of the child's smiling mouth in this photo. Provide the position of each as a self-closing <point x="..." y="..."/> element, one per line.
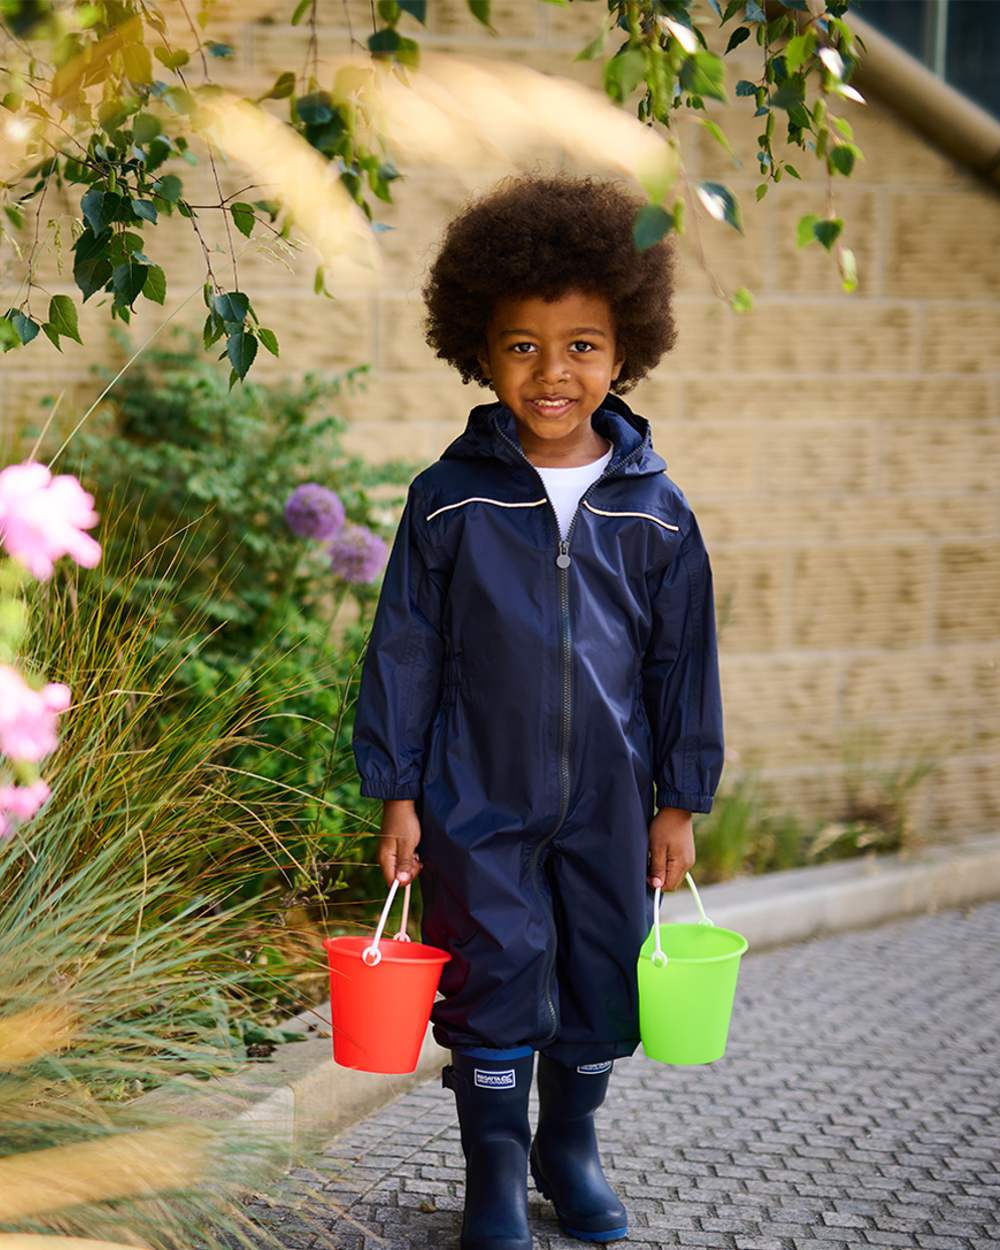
<point x="551" y="409"/>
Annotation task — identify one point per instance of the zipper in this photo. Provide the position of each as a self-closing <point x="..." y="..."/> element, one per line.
<point x="563" y="561"/>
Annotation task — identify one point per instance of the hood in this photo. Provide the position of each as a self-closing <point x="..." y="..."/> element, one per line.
<point x="626" y="430"/>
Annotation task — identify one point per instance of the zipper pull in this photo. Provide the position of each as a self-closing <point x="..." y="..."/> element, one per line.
<point x="562" y="559"/>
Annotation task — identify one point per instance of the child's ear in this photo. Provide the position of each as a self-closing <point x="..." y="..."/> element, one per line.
<point x="618" y="368"/>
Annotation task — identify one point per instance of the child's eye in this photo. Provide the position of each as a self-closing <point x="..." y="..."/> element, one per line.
<point x="578" y="343"/>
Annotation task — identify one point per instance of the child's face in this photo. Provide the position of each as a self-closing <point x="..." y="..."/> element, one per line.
<point x="565" y="349"/>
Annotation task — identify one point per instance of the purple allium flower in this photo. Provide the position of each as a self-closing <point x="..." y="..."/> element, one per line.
<point x="314" y="511"/>
<point x="357" y="554"/>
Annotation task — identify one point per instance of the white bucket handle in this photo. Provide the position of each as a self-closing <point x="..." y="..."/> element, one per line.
<point x="659" y="956"/>
<point x="401" y="936"/>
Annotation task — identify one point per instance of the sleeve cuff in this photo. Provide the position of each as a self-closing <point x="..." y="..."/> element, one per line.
<point x="390" y="790"/>
<point x="686" y="802"/>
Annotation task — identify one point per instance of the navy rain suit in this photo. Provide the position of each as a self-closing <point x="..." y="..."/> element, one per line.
<point x="530" y="693"/>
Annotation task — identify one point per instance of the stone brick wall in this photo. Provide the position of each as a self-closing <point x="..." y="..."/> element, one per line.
<point x="842" y="451"/>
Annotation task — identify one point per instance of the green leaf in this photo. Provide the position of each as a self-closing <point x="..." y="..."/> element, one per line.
<point x="594" y="49"/>
<point x="138" y="63"/>
<point x="736" y="38"/>
<point x="716" y="131"/>
<point x="27" y="329"/>
<point x="212" y="330"/>
<point x="127" y="281"/>
<point x="741" y="300"/>
<point x="9" y="337"/>
<point x="99" y="208"/>
<point x="300" y="11"/>
<point x="145" y="128"/>
<point x="848" y="269"/>
<point x="91" y="266"/>
<point x="316" y="108"/>
<point x="169" y="188"/>
<point x="241" y="348"/>
<point x="720" y="202"/>
<point x="231" y="306"/>
<point x="62" y="317"/>
<point x="52" y="334"/>
<point x="172" y="60"/>
<point x="651" y="223"/>
<point x="222" y="51"/>
<point x="408" y="52"/>
<point x="622" y="73"/>
<point x="14" y="216"/>
<point x="155" y="286"/>
<point x="179" y="99"/>
<point x="798" y="50"/>
<point x="804" y="232"/>
<point x="415" y="8"/>
<point x="283" y="87"/>
<point x="269" y="339"/>
<point x="145" y="209"/>
<point x="828" y="230"/>
<point x="480" y="10"/>
<point x="244" y="217"/>
<point x="790" y="94"/>
<point x="385" y="40"/>
<point x="842" y="158"/>
<point x="745" y="87"/>
<point x="704" y="74"/>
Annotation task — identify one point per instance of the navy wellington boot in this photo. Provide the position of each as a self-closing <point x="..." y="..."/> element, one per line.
<point x="491" y="1090"/>
<point x="565" y="1163"/>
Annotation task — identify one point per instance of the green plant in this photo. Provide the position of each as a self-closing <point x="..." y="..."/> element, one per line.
<point x="127" y="957"/>
<point x="744" y="833"/>
<point x="193" y="482"/>
<point x="104" y="99"/>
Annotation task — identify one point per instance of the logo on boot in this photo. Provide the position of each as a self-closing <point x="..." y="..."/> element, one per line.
<point x="489" y="1078"/>
<point x="595" y="1068"/>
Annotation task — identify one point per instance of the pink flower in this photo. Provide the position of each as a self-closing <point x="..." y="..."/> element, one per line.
<point x="20" y="803"/>
<point x="43" y="517"/>
<point x="27" y="716"/>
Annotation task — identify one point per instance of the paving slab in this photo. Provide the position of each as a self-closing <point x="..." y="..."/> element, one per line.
<point x="857" y="1105"/>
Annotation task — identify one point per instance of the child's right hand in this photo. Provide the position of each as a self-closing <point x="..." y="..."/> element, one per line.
<point x="398" y="840"/>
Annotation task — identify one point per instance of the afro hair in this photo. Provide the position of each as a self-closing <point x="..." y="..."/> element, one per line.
<point x="544" y="236"/>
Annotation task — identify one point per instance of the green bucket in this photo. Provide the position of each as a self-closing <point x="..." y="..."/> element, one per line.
<point x="687" y="982"/>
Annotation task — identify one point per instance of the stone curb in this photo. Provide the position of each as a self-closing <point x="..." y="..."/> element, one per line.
<point x="303" y="1098"/>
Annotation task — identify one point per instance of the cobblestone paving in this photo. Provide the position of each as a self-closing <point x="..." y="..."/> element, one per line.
<point x="857" y="1105"/>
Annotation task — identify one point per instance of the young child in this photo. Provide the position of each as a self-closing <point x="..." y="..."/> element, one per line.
<point x="540" y="707"/>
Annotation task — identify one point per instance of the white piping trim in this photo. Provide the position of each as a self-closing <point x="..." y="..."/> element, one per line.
<point x="604" y="512"/>
<point x="533" y="503"/>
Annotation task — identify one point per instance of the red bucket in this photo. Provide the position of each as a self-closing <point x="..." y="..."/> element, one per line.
<point x="381" y="996"/>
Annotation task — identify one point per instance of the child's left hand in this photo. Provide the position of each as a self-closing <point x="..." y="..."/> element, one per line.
<point x="671" y="847"/>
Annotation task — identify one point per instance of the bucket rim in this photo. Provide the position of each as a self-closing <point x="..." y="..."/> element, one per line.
<point x="699" y="959"/>
<point x="419" y="952"/>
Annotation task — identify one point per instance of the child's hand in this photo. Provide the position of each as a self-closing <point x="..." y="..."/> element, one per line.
<point x="671" y="847"/>
<point x="400" y="834"/>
